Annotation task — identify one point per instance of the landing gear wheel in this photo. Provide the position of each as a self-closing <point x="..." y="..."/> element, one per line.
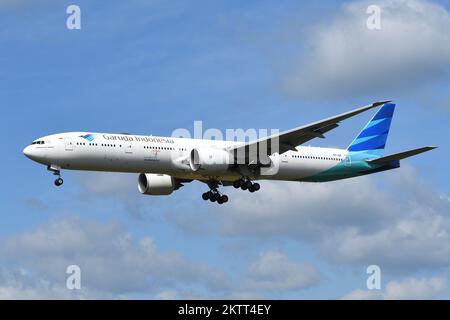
<point x="244" y="186"/>
<point x="252" y="189"/>
<point x="256" y="186"/>
<point x="214" y="195"/>
<point x="248" y="184"/>
<point x="237" y="184"/>
<point x="56" y="172"/>
<point x="224" y="198"/>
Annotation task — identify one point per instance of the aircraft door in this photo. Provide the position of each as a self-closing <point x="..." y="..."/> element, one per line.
<point x="348" y="161"/>
<point x="128" y="148"/>
<point x="69" y="144"/>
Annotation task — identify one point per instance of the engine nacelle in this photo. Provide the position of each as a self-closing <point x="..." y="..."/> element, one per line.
<point x="156" y="184"/>
<point x="209" y="160"/>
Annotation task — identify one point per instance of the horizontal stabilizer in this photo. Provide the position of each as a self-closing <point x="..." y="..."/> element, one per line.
<point x="401" y="155"/>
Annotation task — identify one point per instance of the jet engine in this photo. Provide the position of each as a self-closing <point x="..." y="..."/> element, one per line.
<point x="209" y="160"/>
<point x="157" y="184"/>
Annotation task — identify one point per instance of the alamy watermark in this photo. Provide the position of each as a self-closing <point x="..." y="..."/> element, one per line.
<point x="239" y="147"/>
<point x="374" y="20"/>
<point x="73" y="281"/>
<point x="73" y="21"/>
<point x="374" y="280"/>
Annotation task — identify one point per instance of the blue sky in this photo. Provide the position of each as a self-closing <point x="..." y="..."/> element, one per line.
<point x="149" y="67"/>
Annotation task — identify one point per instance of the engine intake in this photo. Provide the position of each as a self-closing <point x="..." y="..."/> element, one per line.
<point x="156" y="184"/>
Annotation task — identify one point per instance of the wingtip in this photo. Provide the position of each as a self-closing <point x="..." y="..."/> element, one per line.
<point x="379" y="103"/>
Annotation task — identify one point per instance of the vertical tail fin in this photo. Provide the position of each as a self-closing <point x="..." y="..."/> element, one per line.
<point x="373" y="137"/>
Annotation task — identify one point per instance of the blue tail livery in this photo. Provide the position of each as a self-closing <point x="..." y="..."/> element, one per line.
<point x="372" y="138"/>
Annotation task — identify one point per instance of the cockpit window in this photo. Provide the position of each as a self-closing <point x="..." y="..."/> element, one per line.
<point x="38" y="142"/>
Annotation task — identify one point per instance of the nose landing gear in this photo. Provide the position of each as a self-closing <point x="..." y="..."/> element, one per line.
<point x="57" y="172"/>
<point x="59" y="182"/>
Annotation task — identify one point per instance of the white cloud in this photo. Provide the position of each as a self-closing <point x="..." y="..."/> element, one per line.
<point x="299" y="209"/>
<point x="18" y="283"/>
<point x="346" y="59"/>
<point x="114" y="265"/>
<point x="111" y="261"/>
<point x="408" y="289"/>
<point x="413" y="288"/>
<point x="166" y="295"/>
<point x="363" y="295"/>
<point x="354" y="222"/>
<point x="274" y="271"/>
<point x="415" y="234"/>
<point x="419" y="241"/>
<point x="15" y="293"/>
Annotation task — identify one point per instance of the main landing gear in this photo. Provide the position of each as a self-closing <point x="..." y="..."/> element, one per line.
<point x="213" y="194"/>
<point x="246" y="184"/>
<point x="56" y="171"/>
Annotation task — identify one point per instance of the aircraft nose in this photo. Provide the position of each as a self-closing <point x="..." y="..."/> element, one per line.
<point x="35" y="154"/>
<point x="28" y="152"/>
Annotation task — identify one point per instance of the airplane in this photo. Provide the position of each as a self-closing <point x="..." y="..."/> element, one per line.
<point x="165" y="164"/>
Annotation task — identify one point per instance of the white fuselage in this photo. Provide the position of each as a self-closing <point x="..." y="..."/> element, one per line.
<point x="166" y="155"/>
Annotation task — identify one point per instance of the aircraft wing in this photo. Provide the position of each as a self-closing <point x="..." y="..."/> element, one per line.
<point x="288" y="140"/>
